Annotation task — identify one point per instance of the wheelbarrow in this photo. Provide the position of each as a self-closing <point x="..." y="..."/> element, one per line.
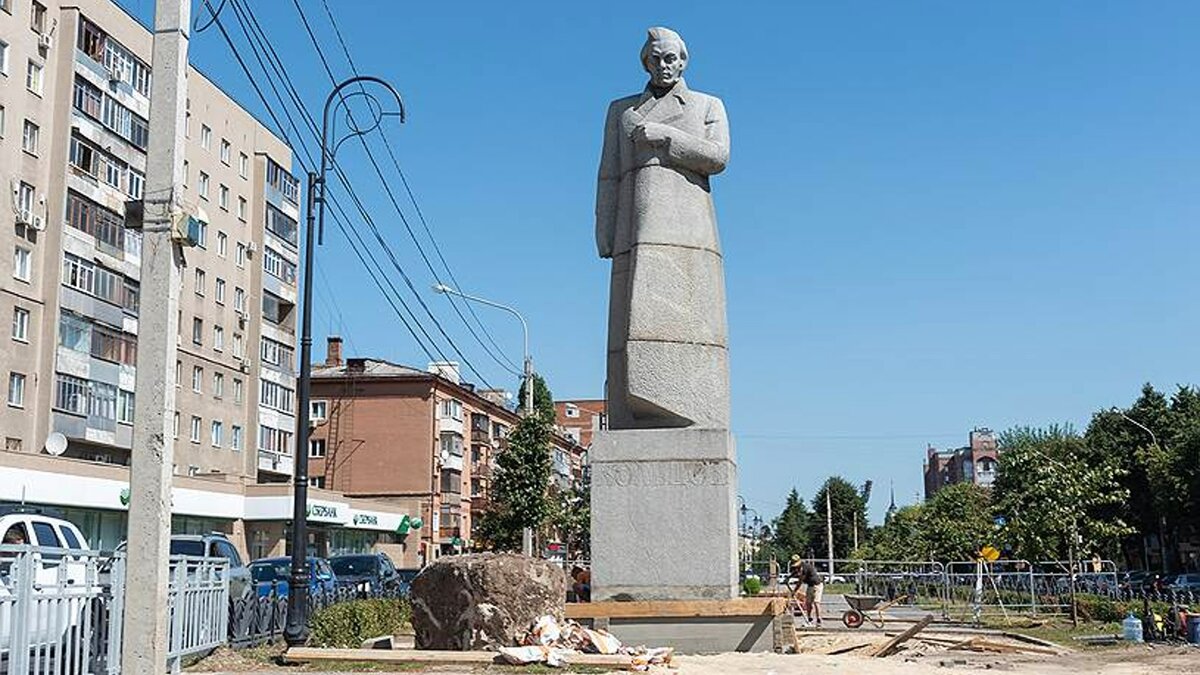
<point x="861" y="605"/>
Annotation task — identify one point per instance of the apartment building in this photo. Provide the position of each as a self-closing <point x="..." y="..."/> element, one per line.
<point x="421" y="439"/>
<point x="975" y="463"/>
<point x="74" y="109"/>
<point x="580" y="419"/>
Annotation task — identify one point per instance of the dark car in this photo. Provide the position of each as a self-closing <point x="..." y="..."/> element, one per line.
<point x="274" y="574"/>
<point x="369" y="574"/>
<point x="1182" y="582"/>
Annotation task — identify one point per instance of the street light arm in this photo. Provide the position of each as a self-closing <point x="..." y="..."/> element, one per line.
<point x="1143" y="427"/>
<point x="443" y="288"/>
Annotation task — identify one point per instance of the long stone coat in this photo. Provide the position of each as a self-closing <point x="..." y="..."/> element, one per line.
<point x="667" y="340"/>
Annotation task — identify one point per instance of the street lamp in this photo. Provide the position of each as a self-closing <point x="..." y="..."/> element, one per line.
<point x="296" y="631"/>
<point x="1162" y="544"/>
<point x="449" y="290"/>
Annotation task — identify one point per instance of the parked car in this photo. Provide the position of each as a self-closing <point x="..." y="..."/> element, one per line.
<point x="216" y="545"/>
<point x="370" y="574"/>
<point x="275" y="574"/>
<point x="1183" y="582"/>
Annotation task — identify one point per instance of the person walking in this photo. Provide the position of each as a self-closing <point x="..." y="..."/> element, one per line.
<point x="813" y="586"/>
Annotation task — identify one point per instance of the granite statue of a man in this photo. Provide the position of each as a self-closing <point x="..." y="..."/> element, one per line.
<point x="667" y="356"/>
<point x="664" y="473"/>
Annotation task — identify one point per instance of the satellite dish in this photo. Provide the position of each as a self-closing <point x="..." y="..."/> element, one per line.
<point x="445" y="455"/>
<point x="56" y="444"/>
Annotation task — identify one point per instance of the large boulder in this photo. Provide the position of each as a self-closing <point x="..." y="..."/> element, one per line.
<point x="483" y="600"/>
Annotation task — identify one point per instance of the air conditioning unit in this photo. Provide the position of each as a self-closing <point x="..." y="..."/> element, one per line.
<point x="251" y="248"/>
<point x="244" y="366"/>
<point x="45" y="41"/>
<point x="241" y="320"/>
<point x="114" y="74"/>
<point x="24" y="217"/>
<point x="38" y="224"/>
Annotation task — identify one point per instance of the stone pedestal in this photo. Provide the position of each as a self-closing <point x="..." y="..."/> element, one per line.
<point x="664" y="515"/>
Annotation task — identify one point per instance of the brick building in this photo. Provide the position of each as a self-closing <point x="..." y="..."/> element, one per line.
<point x="975" y="462"/>
<point x="580" y="419"/>
<point x="421" y="439"/>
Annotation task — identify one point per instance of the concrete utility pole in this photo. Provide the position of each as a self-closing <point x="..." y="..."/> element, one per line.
<point x="144" y="651"/>
<point x="829" y="532"/>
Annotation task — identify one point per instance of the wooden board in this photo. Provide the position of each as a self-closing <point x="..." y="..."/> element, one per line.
<point x="439" y="657"/>
<point x="890" y="646"/>
<point x="673" y="609"/>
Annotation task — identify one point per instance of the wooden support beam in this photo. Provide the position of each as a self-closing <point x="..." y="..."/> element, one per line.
<point x="675" y="609"/>
<point x="448" y="658"/>
<point x="891" y="645"/>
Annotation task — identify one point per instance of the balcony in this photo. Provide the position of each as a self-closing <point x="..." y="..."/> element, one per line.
<point x="275" y="462"/>
<point x="480" y="436"/>
<point x="481" y="469"/>
<point x="452" y="462"/>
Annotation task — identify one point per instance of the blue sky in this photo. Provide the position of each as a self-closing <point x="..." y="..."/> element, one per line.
<point x="937" y="215"/>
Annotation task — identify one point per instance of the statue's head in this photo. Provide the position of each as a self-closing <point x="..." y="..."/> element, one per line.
<point x="664" y="56"/>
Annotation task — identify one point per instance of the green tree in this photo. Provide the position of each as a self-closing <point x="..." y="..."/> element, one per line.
<point x="572" y="519"/>
<point x="901" y="537"/>
<point x="848" y="512"/>
<point x="520" y="495"/>
<point x="957" y="522"/>
<point x="789" y="532"/>
<point x="1054" y="501"/>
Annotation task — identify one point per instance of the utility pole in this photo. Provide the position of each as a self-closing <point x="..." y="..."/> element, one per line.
<point x="144" y="650"/>
<point x="829" y="531"/>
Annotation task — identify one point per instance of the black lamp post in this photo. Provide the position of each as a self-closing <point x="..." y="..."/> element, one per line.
<point x="296" y="632"/>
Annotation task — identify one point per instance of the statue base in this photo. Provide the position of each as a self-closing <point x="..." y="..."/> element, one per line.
<point x="664" y="515"/>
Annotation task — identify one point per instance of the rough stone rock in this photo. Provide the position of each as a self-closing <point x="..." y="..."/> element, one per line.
<point x="483" y="600"/>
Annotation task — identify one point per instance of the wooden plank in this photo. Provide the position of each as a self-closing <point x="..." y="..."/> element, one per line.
<point x="440" y="657"/>
<point x="890" y="646"/>
<point x="845" y="650"/>
<point x="668" y="609"/>
<point x="988" y="645"/>
<point x="1034" y="641"/>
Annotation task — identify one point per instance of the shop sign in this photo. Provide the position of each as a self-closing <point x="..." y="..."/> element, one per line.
<point x="366" y="519"/>
<point x="326" y="512"/>
<point x="408" y="523"/>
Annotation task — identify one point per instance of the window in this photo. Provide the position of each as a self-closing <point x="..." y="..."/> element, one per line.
<point x="243" y="165"/>
<point x="218" y="431"/>
<point x="281" y="225"/>
<point x="237" y="390"/>
<point x="31" y="138"/>
<point x="197" y="379"/>
<point x="283" y="181"/>
<point x="277" y="354"/>
<point x="222" y="244"/>
<point x="316" y="482"/>
<point x="106" y="226"/>
<point x="235" y="437"/>
<point x="223" y="197"/>
<point x="452" y="408"/>
<point x="2" y="48"/>
<point x="178" y="373"/>
<point x="275" y="309"/>
<point x="240" y="256"/>
<point x="316" y="447"/>
<point x="4" y="62"/>
<point x="219" y="291"/>
<point x="218" y="385"/>
<point x="203" y="186"/>
<point x="225" y="152"/>
<point x="187" y="170"/>
<point x="197" y="331"/>
<point x="274" y="440"/>
<point x="175" y="425"/>
<point x="205" y="136"/>
<point x="25" y="201"/>
<point x="276" y="396"/>
<point x="137" y="184"/>
<point x="318" y="410"/>
<point x="239" y="346"/>
<point x="195" y="435"/>
<point x="125" y="403"/>
<point x="218" y="338"/>
<point x="571" y="410"/>
<point x="21" y="263"/>
<point x="278" y="266"/>
<point x="241" y="212"/>
<point x="202" y="234"/>
<point x="200" y="279"/>
<point x="20" y="324"/>
<point x="239" y="300"/>
<point x="452" y="444"/>
<point x="121" y="64"/>
<point x="33" y="77"/>
<point x="451" y="481"/>
<point x="16" y="390"/>
<point x="37" y="17"/>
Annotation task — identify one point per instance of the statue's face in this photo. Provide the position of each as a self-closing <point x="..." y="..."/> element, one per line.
<point x="665" y="63"/>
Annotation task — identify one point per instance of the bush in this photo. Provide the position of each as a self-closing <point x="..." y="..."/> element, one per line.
<point x="347" y="624"/>
<point x="752" y="586"/>
<point x="1107" y="610"/>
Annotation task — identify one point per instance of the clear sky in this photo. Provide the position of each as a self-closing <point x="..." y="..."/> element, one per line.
<point x="937" y="215"/>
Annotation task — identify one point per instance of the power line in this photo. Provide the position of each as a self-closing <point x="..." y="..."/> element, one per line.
<point x="497" y="355"/>
<point x="258" y="42"/>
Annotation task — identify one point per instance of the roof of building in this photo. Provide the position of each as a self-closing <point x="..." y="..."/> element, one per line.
<point x="371" y="368"/>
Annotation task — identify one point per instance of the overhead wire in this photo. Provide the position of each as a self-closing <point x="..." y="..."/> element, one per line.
<point x="259" y="43"/>
<point x="494" y="351"/>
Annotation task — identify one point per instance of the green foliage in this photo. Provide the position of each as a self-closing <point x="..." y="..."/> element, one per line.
<point x="347" y="624"/>
<point x="543" y="401"/>
<point x="572" y="519"/>
<point x="957" y="522"/>
<point x="752" y="586"/>
<point x="1105" y="609"/>
<point x="1051" y="496"/>
<point x="789" y="532"/>
<point x="847" y="508"/>
<point x="901" y="537"/>
<point x="521" y="490"/>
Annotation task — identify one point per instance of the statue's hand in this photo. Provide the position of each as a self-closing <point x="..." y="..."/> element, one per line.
<point x="652" y="133"/>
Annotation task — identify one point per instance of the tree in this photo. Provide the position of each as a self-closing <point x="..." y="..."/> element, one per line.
<point x="848" y="512"/>
<point x="957" y="522"/>
<point x="572" y="519"/>
<point x="901" y="537"/>
<point x="1053" y="501"/>
<point x="789" y="532"/>
<point x="520" y="495"/>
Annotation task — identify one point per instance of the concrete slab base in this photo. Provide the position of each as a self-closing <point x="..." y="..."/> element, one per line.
<point x="691" y="627"/>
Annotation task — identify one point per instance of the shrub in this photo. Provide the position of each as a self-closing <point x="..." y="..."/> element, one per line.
<point x="347" y="624"/>
<point x="1107" y="610"/>
<point x="752" y="586"/>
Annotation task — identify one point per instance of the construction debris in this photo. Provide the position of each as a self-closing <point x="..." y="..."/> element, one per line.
<point x="888" y="648"/>
<point x="557" y="645"/>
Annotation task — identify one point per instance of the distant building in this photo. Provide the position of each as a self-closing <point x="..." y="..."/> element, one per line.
<point x="581" y="419"/>
<point x="974" y="463"/>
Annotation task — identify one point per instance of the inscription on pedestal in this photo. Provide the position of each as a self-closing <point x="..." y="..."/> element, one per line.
<point x="682" y="473"/>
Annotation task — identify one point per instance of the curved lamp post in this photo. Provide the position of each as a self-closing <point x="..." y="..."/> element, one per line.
<point x="296" y="631"/>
